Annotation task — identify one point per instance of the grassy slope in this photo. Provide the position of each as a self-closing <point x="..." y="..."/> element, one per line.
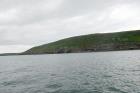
<point x="92" y="41"/>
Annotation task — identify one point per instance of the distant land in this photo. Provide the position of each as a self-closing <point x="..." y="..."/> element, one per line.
<point x="7" y="54"/>
<point x="128" y="40"/>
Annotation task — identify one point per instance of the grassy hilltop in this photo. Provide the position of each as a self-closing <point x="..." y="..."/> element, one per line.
<point x="128" y="40"/>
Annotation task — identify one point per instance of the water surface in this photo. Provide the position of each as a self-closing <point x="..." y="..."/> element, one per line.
<point x="100" y="72"/>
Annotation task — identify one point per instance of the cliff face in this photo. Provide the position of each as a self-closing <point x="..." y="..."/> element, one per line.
<point x="128" y="40"/>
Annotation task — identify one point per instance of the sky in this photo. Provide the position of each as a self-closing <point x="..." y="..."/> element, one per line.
<point x="28" y="23"/>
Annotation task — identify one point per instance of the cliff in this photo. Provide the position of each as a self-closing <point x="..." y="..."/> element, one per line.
<point x="128" y="40"/>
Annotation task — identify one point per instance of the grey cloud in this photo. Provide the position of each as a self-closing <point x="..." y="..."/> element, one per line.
<point x="28" y="12"/>
<point x="33" y="22"/>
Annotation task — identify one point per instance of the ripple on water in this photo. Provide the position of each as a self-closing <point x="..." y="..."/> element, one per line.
<point x="34" y="91"/>
<point x="53" y="74"/>
<point x="61" y="91"/>
<point x="113" y="89"/>
<point x="17" y="82"/>
<point x="10" y="83"/>
<point x="107" y="76"/>
<point x="82" y="73"/>
<point x="20" y="70"/>
<point x="135" y="70"/>
<point x="76" y="91"/>
<point x="54" y="86"/>
<point x="86" y="83"/>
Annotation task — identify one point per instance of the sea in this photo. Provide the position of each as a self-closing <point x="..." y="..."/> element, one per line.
<point x="95" y="72"/>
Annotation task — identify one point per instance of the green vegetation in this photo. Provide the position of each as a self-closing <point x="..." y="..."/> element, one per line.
<point x="93" y="42"/>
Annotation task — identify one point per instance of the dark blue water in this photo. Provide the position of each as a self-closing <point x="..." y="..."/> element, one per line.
<point x="101" y="72"/>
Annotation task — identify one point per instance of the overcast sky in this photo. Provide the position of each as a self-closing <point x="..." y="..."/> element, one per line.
<point x="27" y="23"/>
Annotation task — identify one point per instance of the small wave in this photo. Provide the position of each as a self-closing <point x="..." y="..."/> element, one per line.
<point x="86" y="83"/>
<point x="54" y="86"/>
<point x="53" y="74"/>
<point x="20" y="70"/>
<point x="107" y="76"/>
<point x="116" y="90"/>
<point x="76" y="91"/>
<point x="136" y="70"/>
<point x="10" y="83"/>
